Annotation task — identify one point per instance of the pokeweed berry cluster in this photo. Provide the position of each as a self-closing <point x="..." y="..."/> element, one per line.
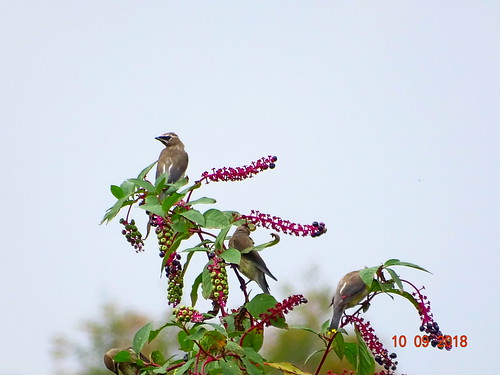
<point x="173" y="271"/>
<point x="132" y="234"/>
<point x="280" y="310"/>
<point x="429" y="325"/>
<point x="164" y="233"/>
<point x="239" y="173"/>
<point x="381" y="355"/>
<point x="218" y="278"/>
<point x="187" y="314"/>
<point x="286" y="226"/>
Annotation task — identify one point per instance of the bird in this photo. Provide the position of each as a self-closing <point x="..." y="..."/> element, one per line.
<point x="351" y="289"/>
<point x="123" y="368"/>
<point x="251" y="264"/>
<point x="173" y="159"/>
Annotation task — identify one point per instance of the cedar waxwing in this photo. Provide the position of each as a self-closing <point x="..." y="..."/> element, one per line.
<point x="123" y="368"/>
<point x="173" y="159"/>
<point x="351" y="289"/>
<point x="251" y="264"/>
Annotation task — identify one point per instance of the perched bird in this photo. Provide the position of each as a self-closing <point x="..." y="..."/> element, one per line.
<point x="123" y="368"/>
<point x="351" y="289"/>
<point x="251" y="264"/>
<point x="173" y="159"/>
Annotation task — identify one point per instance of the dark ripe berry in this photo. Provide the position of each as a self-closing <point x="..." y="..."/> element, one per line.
<point x="393" y="368"/>
<point x="162" y="254"/>
<point x="274" y="158"/>
<point x="434" y="343"/>
<point x="436" y="326"/>
<point x="422" y="328"/>
<point x="122" y="220"/>
<point x="178" y="256"/>
<point x="393" y="355"/>
<point x="132" y="222"/>
<point x="429" y="325"/>
<point x="315" y="224"/>
<point x="272" y="165"/>
<point x="387" y="367"/>
<point x="124" y="232"/>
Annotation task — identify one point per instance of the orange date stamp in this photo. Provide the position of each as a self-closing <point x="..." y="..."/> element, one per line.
<point x="445" y="341"/>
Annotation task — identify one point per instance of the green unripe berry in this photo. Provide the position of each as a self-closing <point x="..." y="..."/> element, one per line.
<point x="216" y="294"/>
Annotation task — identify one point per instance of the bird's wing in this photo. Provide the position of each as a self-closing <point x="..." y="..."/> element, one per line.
<point x="255" y="257"/>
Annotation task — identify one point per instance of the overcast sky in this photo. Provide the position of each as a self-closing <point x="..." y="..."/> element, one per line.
<point x="384" y="117"/>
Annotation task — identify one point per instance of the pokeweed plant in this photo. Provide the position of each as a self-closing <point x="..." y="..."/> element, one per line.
<point x="228" y="339"/>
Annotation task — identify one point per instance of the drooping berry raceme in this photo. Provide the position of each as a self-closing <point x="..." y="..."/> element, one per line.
<point x="434" y="335"/>
<point x="287" y="227"/>
<point x="280" y="310"/>
<point x="381" y="355"/>
<point x="164" y="232"/>
<point x="218" y="278"/>
<point x="239" y="173"/>
<point x="132" y="234"/>
<point x="187" y="314"/>
<point x="173" y="270"/>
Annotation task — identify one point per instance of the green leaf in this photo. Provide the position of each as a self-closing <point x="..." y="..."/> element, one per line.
<point x="195" y="216"/>
<point x="122" y="356"/>
<point x="275" y="241"/>
<point x="141" y="338"/>
<point x="253" y="356"/>
<point x="154" y="333"/>
<point x="170" y="200"/>
<point x="127" y="187"/>
<point x="313" y="354"/>
<point x="206" y="286"/>
<point x="231" y="256"/>
<point x="221" y="237"/>
<point x="351" y="353"/>
<point x="153" y="205"/>
<point x="252" y="369"/>
<point x="117" y="191"/>
<point x="339" y="345"/>
<point x="307" y="329"/>
<point x="395" y="277"/>
<point x="260" y="304"/>
<point x="230" y="368"/>
<point x="145" y="171"/>
<point x="158" y="358"/>
<point x="197" y="333"/>
<point x="186" y="366"/>
<point x="185" y="344"/>
<point x="148" y="186"/>
<point x="203" y="200"/>
<point x="194" y="289"/>
<point x="397" y="262"/>
<point x="367" y="275"/>
<point x="253" y="339"/>
<point x="365" y="362"/>
<point x="406" y="295"/>
<point x="215" y="219"/>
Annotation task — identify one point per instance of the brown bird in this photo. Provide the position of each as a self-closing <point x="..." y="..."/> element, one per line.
<point x="123" y="368"/>
<point x="351" y="289"/>
<point x="251" y="264"/>
<point x="173" y="159"/>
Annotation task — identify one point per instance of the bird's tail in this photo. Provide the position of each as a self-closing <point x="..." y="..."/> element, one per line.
<point x="334" y="323"/>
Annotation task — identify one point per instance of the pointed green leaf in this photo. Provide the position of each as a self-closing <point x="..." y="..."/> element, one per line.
<point x="185" y="344"/>
<point x="395" y="277"/>
<point x="158" y="358"/>
<point x="260" y="304"/>
<point x="194" y="289"/>
<point x="221" y="237"/>
<point x="367" y="275"/>
<point x="215" y="219"/>
<point x="117" y="191"/>
<point x="206" y="286"/>
<point x="186" y="366"/>
<point x="203" y="200"/>
<point x="339" y="345"/>
<point x="230" y="368"/>
<point x="275" y="241"/>
<point x="253" y="339"/>
<point x="141" y="338"/>
<point x="170" y="200"/>
<point x="152" y="205"/>
<point x="195" y="216"/>
<point x="252" y="369"/>
<point x="313" y="354"/>
<point x="231" y="256"/>
<point x="145" y="171"/>
<point x="148" y="186"/>
<point x="397" y="262"/>
<point x="365" y="361"/>
<point x="122" y="356"/>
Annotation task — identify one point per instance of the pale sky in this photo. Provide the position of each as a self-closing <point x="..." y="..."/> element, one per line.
<point x="384" y="117"/>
